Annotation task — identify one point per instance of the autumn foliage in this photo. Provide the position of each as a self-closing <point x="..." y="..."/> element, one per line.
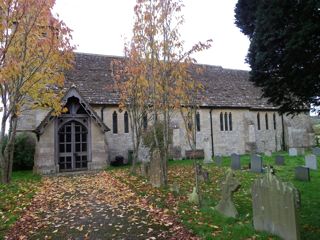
<point x="156" y="75"/>
<point x="35" y="50"/>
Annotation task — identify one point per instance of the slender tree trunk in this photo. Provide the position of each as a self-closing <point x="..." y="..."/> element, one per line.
<point x="8" y="153"/>
<point x="2" y="138"/>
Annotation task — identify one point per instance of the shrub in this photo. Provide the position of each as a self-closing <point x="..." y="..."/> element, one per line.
<point x="24" y="148"/>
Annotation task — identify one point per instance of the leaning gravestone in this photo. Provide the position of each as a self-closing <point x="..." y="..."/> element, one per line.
<point x="274" y="206"/>
<point x="311" y="161"/>
<point x="279" y="160"/>
<point x="293" y="152"/>
<point x="218" y="161"/>
<point x="302" y="173"/>
<point x="235" y="161"/>
<point x="155" y="175"/>
<point x="316" y="151"/>
<point x="229" y="187"/>
<point x="256" y="164"/>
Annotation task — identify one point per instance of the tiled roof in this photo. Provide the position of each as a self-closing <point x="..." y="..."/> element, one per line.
<point x="92" y="76"/>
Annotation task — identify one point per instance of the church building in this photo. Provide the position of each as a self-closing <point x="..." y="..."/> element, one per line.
<point x="232" y="118"/>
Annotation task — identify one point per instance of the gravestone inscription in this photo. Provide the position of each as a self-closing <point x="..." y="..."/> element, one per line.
<point x="275" y="206"/>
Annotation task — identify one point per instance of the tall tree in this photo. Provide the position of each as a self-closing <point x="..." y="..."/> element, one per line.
<point x="159" y="47"/>
<point x="284" y="53"/>
<point x="131" y="84"/>
<point x="34" y="52"/>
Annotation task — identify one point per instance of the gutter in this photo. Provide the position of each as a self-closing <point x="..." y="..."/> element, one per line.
<point x="211" y="128"/>
<point x="283" y="134"/>
<point x="102" y="110"/>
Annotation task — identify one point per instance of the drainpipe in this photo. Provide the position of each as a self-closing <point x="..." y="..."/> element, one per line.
<point x="212" y="149"/>
<point x="283" y="135"/>
<point x="102" y="109"/>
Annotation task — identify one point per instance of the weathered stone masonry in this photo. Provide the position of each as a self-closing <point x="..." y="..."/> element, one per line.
<point x="230" y="104"/>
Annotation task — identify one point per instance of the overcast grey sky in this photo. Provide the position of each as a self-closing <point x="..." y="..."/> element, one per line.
<point x="101" y="26"/>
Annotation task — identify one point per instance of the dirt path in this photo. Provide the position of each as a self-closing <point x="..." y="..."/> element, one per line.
<point x="91" y="206"/>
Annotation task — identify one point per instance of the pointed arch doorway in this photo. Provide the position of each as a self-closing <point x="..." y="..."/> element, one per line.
<point x="73" y="146"/>
<point x="73" y="138"/>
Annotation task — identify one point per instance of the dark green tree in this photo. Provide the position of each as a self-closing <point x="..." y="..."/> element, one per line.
<point x="284" y="53"/>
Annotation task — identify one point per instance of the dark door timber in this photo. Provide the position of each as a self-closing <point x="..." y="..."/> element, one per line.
<point x="73" y="147"/>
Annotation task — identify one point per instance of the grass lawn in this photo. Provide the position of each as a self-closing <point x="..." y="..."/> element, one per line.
<point x="15" y="197"/>
<point x="209" y="224"/>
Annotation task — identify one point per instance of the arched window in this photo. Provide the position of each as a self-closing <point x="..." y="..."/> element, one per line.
<point x="226" y="121"/>
<point x="115" y="122"/>
<point x="230" y="121"/>
<point x="267" y="121"/>
<point x="274" y="122"/>
<point x="258" y="121"/>
<point x="145" y="121"/>
<point x="198" y="121"/>
<point x="221" y="121"/>
<point x="126" y="122"/>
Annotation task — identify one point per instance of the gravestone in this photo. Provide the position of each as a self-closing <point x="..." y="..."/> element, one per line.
<point x="275" y="206"/>
<point x="256" y="164"/>
<point x="155" y="175"/>
<point x="218" y="160"/>
<point x="293" y="152"/>
<point x="279" y="160"/>
<point x="268" y="153"/>
<point x="228" y="188"/>
<point x="311" y="161"/>
<point x="316" y="151"/>
<point x="302" y="173"/>
<point x="145" y="168"/>
<point x="207" y="151"/>
<point x="175" y="187"/>
<point x="194" y="197"/>
<point x="235" y="161"/>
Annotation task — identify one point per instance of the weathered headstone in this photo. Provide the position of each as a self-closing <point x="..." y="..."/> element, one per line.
<point x="218" y="160"/>
<point x="302" y="173"/>
<point x="293" y="152"/>
<point x="268" y="153"/>
<point x="207" y="151"/>
<point x="229" y="187"/>
<point x="235" y="161"/>
<point x="145" y="168"/>
<point x="256" y="164"/>
<point x="316" y="151"/>
<point x="275" y="207"/>
<point x="194" y="197"/>
<point x="279" y="160"/>
<point x="175" y="187"/>
<point x="311" y="161"/>
<point x="155" y="175"/>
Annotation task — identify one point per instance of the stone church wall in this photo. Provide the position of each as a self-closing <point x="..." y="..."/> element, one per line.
<point x="244" y="135"/>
